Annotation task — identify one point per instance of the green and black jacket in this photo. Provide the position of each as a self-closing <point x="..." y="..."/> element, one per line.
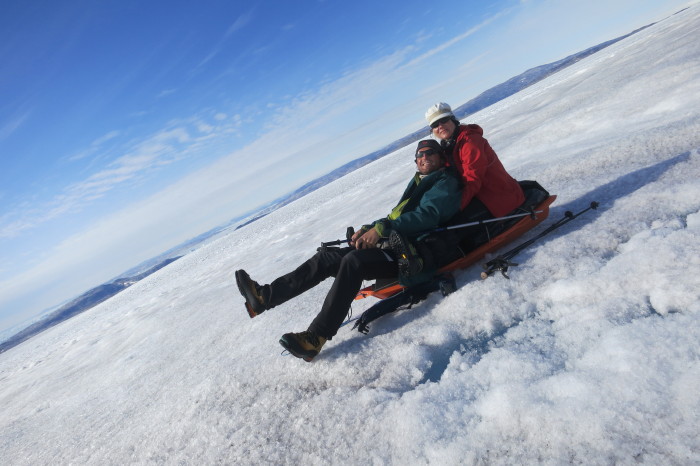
<point x="428" y="202"/>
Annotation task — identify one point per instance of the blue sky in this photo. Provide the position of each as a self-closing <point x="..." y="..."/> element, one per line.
<point x="129" y="127"/>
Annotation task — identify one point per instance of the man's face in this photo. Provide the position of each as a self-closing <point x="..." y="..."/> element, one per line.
<point x="428" y="160"/>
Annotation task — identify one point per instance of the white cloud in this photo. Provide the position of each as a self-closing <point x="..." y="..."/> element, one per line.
<point x="240" y="22"/>
<point x="14" y="124"/>
<point x="141" y="158"/>
<point x="166" y="92"/>
<point x="95" y="146"/>
<point x="473" y="30"/>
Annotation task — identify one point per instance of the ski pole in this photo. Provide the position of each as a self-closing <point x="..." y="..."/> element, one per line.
<point x="481" y="222"/>
<point x="502" y="262"/>
<point x="439" y="229"/>
<point x="348" y="236"/>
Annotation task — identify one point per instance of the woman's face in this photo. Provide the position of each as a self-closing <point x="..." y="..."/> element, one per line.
<point x="444" y="128"/>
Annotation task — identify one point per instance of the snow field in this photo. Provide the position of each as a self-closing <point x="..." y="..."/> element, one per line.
<point x="589" y="354"/>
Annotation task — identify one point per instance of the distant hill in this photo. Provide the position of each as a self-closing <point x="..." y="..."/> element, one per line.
<point x="80" y="304"/>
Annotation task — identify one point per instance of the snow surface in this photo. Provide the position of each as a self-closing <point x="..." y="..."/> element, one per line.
<point x="589" y="354"/>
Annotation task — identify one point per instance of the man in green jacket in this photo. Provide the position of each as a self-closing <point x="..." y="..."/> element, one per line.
<point x="377" y="251"/>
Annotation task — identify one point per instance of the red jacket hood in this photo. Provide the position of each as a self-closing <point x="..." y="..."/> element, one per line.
<point x="470" y="129"/>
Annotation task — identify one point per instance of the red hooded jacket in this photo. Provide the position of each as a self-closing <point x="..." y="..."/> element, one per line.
<point x="483" y="174"/>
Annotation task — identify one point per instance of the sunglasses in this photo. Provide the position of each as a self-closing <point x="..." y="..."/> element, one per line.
<point x="426" y="153"/>
<point x="439" y="122"/>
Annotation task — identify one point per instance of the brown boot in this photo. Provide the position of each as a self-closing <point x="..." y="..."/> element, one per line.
<point x="250" y="290"/>
<point x="305" y="345"/>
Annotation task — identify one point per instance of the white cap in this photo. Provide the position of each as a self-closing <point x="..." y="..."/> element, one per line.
<point x="437" y="111"/>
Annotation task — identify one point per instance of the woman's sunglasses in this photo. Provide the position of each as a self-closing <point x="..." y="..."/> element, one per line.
<point x="439" y="122"/>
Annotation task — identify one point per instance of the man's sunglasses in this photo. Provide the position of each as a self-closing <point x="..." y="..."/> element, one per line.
<point x="425" y="153"/>
<point x="439" y="122"/>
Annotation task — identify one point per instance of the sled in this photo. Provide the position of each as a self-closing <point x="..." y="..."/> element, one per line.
<point x="385" y="290"/>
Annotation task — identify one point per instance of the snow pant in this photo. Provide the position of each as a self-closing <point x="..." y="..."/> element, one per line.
<point x="349" y="266"/>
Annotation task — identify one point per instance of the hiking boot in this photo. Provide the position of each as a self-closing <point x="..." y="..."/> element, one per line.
<point x="305" y="345"/>
<point x="254" y="302"/>
<point x="409" y="261"/>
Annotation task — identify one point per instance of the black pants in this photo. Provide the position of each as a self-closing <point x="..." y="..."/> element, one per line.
<point x="349" y="266"/>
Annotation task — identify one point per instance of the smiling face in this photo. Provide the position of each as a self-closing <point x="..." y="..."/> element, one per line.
<point x="428" y="160"/>
<point x="444" y="128"/>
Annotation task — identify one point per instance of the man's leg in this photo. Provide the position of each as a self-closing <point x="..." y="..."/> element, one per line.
<point x="259" y="298"/>
<point x="322" y="265"/>
<point x="356" y="266"/>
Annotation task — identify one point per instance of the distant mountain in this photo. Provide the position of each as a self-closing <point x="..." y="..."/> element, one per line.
<point x="80" y="304"/>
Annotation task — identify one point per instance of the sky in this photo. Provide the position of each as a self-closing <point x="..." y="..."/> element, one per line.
<point x="126" y="129"/>
<point x="588" y="355"/>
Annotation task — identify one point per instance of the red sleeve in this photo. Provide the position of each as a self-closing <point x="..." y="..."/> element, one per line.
<point x="474" y="163"/>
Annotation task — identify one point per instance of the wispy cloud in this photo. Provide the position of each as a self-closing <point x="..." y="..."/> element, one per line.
<point x="139" y="161"/>
<point x="237" y="25"/>
<point x="165" y="93"/>
<point x="155" y="151"/>
<point x="95" y="146"/>
<point x="14" y="123"/>
<point x="455" y="40"/>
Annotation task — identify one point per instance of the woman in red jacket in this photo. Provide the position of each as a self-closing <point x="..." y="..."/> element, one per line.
<point x="488" y="190"/>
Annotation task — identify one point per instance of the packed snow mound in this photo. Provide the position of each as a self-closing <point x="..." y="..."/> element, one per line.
<point x="589" y="354"/>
